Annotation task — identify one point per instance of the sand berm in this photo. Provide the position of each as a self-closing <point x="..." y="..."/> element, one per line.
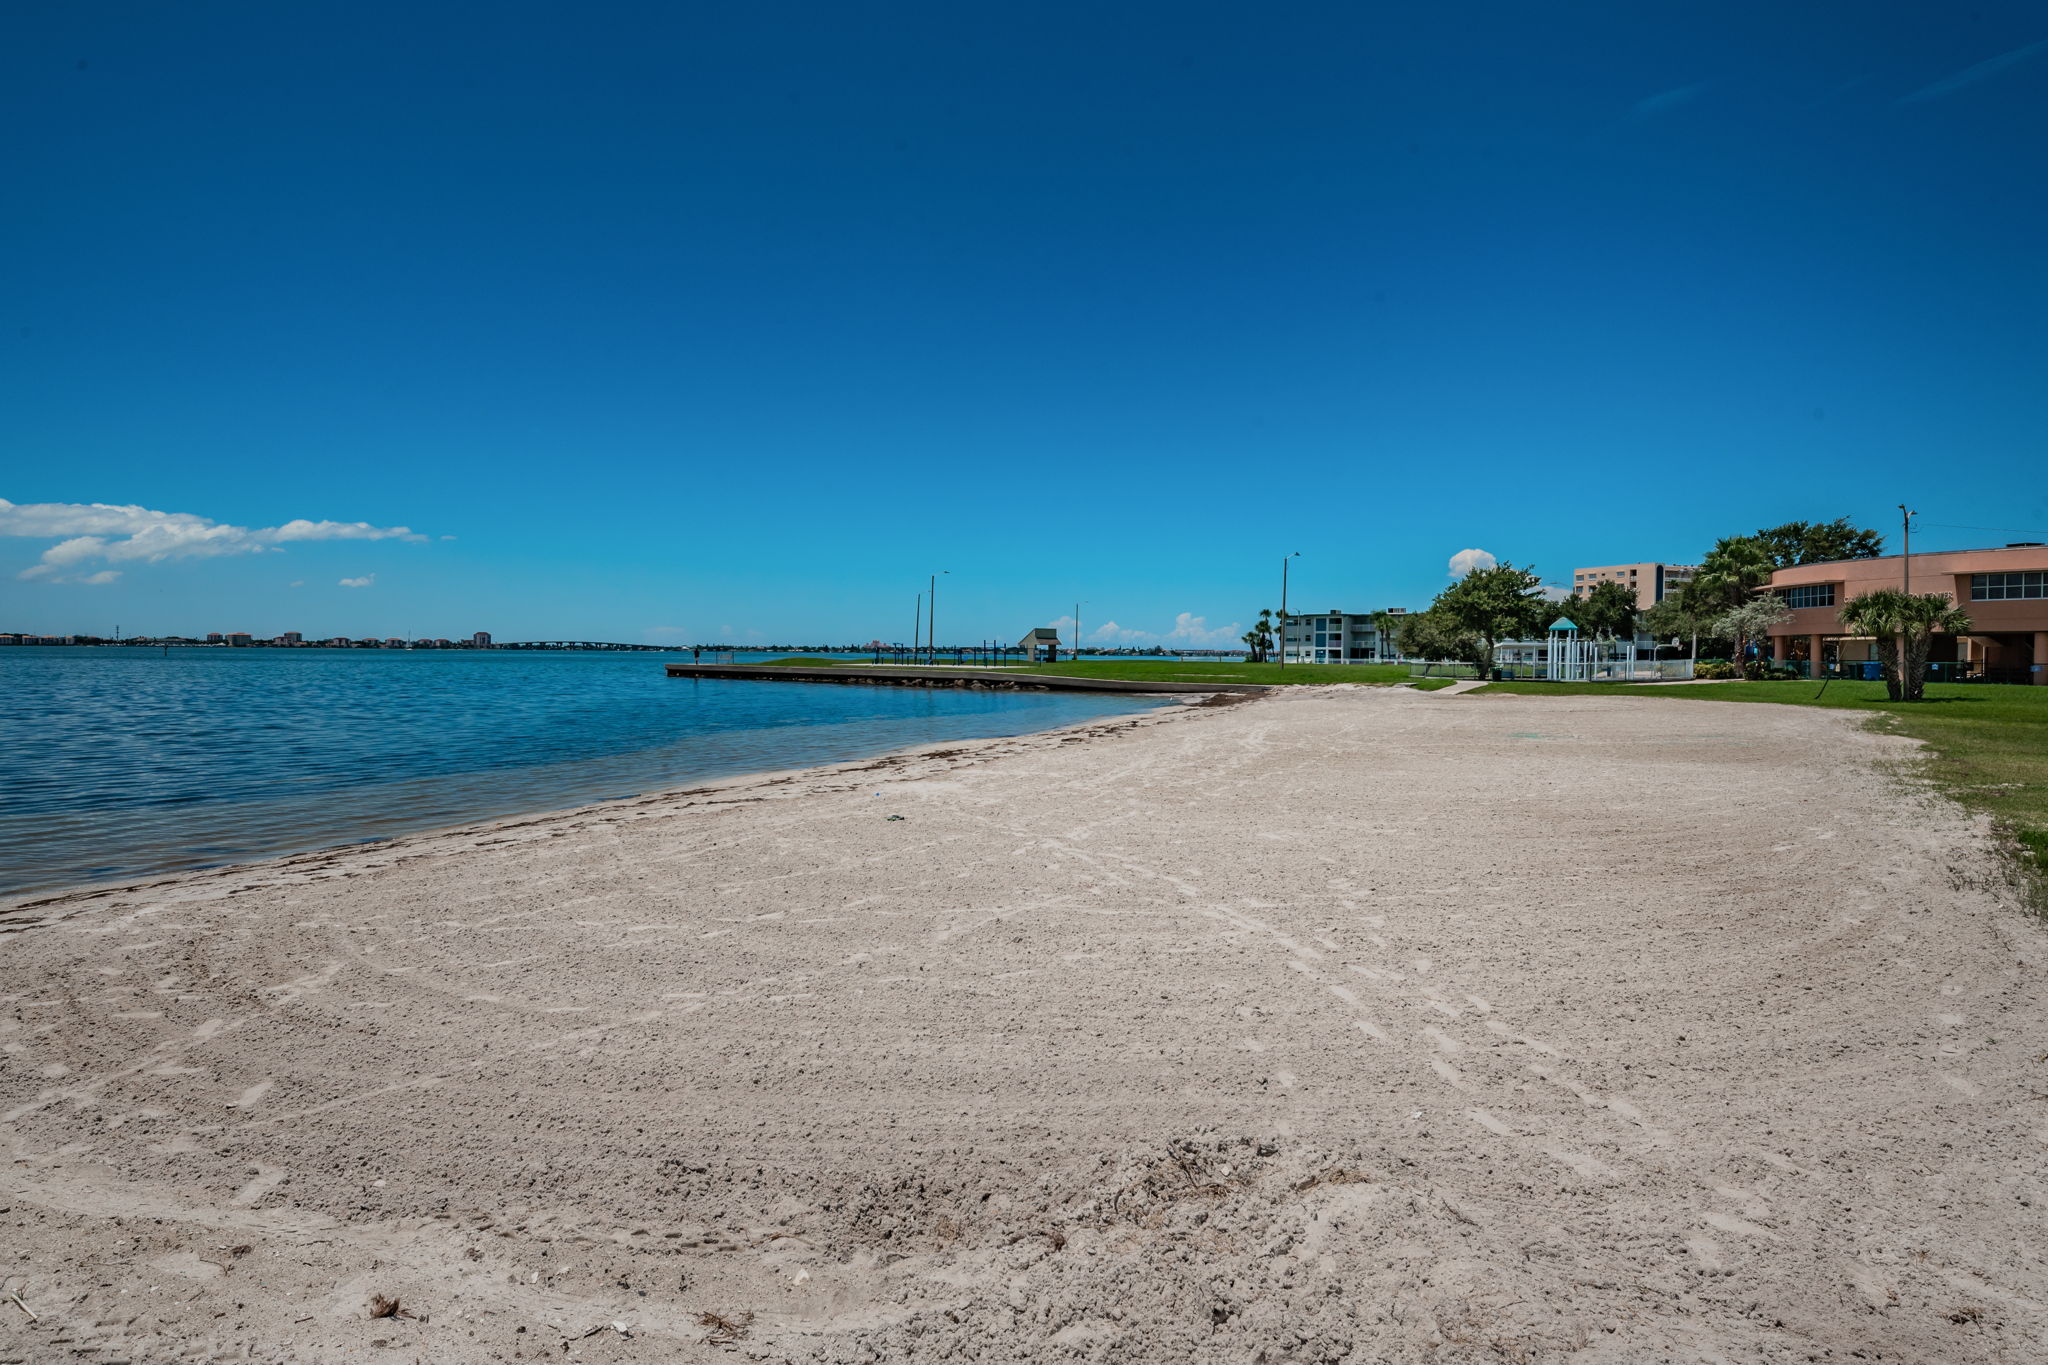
<point x="1342" y="1025"/>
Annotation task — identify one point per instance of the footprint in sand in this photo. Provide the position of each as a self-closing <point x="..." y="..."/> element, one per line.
<point x="251" y="1097"/>
<point x="1449" y="1074"/>
<point x="1490" y="1123"/>
<point x="267" y="1178"/>
<point x="1706" y="1253"/>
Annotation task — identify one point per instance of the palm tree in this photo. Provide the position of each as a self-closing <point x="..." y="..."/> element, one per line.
<point x="1259" y="639"/>
<point x="1385" y="623"/>
<point x="1735" y="567"/>
<point x="1903" y="624"/>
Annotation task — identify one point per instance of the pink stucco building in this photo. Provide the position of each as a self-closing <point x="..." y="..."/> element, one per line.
<point x="2005" y="591"/>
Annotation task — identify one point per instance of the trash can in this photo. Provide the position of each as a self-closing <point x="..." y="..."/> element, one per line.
<point x="1500" y="675"/>
<point x="1873" y="671"/>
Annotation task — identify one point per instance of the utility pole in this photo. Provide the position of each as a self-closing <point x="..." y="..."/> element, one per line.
<point x="1906" y="554"/>
<point x="1283" y="607"/>
<point x="931" y="620"/>
<point x="916" y="627"/>
<point x="1075" y="653"/>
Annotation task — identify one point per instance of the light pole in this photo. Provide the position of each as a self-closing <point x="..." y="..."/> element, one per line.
<point x="1906" y="553"/>
<point x="1075" y="653"/>
<point x="916" y="627"/>
<point x="931" y="621"/>
<point x="1283" y="606"/>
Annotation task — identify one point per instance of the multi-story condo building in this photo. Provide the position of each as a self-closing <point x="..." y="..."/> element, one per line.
<point x="1335" y="637"/>
<point x="1651" y="582"/>
<point x="481" y="640"/>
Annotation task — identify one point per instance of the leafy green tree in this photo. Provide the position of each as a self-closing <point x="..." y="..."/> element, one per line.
<point x="1671" y="620"/>
<point x="1818" y="542"/>
<point x="1609" y="610"/>
<point x="1427" y="635"/>
<point x="1903" y="624"/>
<point x="1491" y="605"/>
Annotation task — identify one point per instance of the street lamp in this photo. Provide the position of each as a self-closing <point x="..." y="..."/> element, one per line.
<point x="1074" y="654"/>
<point x="931" y="621"/>
<point x="1283" y="607"/>
<point x="1906" y="551"/>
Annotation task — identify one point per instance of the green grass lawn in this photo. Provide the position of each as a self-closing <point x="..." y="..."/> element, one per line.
<point x="1167" y="670"/>
<point x="1989" y="741"/>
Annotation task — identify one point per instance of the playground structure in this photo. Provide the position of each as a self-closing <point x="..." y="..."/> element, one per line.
<point x="1566" y="655"/>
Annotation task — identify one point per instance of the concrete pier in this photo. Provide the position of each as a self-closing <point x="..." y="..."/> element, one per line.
<point x="999" y="679"/>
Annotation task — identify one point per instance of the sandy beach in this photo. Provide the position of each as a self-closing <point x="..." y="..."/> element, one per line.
<point x="1341" y="1024"/>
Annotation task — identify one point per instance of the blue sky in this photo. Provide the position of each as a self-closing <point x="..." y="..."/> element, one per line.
<point x="688" y="321"/>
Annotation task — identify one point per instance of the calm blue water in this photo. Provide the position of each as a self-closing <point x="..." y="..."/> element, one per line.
<point x="121" y="763"/>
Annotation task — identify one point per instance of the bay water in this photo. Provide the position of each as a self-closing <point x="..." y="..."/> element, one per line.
<point x="119" y="763"/>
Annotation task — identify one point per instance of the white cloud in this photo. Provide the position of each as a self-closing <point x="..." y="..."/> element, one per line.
<point x="103" y="576"/>
<point x="447" y="537"/>
<point x="1465" y="561"/>
<point x="365" y="581"/>
<point x="1552" y="593"/>
<point x="1188" y="632"/>
<point x="298" y="582"/>
<point x="114" y="533"/>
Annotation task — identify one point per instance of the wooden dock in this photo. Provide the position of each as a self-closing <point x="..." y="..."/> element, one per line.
<point x="882" y="675"/>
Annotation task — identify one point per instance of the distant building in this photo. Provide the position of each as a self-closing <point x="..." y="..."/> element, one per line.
<point x="1650" y="582"/>
<point x="240" y="639"/>
<point x="1336" y="637"/>
<point x="393" y="642"/>
<point x="291" y="637"/>
<point x="213" y="637"/>
<point x="1041" y="645"/>
<point x="482" y="639"/>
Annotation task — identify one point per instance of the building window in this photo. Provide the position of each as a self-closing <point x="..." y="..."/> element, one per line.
<point x="2002" y="587"/>
<point x="1811" y="595"/>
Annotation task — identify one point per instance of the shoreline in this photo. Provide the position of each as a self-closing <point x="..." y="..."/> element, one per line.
<point x="1344" y="1024"/>
<point x="12" y="906"/>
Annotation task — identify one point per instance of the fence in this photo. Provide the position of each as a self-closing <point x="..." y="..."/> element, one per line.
<point x="1869" y="670"/>
<point x="1597" y="670"/>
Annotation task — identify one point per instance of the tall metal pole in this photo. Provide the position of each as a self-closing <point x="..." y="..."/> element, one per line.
<point x="1906" y="554"/>
<point x="1283" y="606"/>
<point x="917" y="626"/>
<point x="1075" y="654"/>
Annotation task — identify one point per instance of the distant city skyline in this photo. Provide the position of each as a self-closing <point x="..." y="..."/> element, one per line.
<point x="706" y="323"/>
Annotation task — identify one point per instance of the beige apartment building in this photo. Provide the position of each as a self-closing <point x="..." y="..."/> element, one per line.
<point x="1651" y="582"/>
<point x="2004" y="590"/>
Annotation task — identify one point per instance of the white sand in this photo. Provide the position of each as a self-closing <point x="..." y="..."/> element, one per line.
<point x="1344" y="1025"/>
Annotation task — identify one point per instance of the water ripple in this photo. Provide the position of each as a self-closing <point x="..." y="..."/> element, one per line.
<point x="123" y="763"/>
